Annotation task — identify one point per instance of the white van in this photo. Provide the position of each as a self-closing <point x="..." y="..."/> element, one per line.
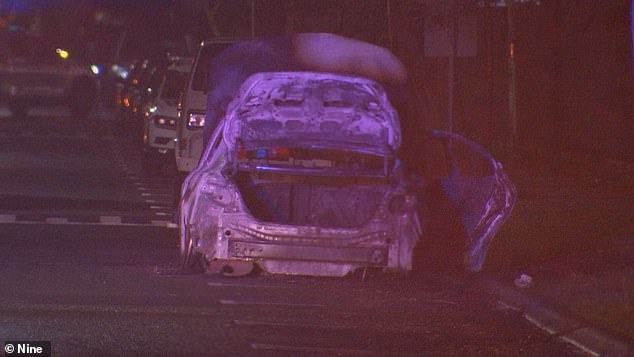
<point x="191" y="116"/>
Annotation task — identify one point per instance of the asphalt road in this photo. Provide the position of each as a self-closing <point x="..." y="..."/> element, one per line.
<point x="89" y="262"/>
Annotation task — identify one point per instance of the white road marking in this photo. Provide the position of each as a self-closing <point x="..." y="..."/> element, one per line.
<point x="400" y="328"/>
<point x="333" y="351"/>
<point x="293" y="324"/>
<point x="7" y="218"/>
<point x="56" y="220"/>
<point x="160" y="223"/>
<point x="268" y="303"/>
<point x="226" y="285"/>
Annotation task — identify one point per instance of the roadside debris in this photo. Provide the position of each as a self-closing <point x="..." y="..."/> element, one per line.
<point x="524" y="281"/>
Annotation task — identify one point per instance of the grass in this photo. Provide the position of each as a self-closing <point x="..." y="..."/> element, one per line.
<point x="572" y="231"/>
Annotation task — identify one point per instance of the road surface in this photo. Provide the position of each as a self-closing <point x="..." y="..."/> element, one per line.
<point x="89" y="261"/>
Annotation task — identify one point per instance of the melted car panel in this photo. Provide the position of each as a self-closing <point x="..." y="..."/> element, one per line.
<point x="312" y="106"/>
<point x="478" y="188"/>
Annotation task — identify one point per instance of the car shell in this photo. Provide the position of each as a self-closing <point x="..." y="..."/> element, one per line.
<point x="348" y="114"/>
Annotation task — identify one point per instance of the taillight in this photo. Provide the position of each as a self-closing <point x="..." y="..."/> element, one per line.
<point x="196" y="120"/>
<point x="279" y="153"/>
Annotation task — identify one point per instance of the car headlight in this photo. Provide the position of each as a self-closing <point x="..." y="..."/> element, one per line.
<point x="196" y="120"/>
<point x="164" y="122"/>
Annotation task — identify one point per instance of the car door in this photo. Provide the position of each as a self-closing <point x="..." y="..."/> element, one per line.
<point x="465" y="181"/>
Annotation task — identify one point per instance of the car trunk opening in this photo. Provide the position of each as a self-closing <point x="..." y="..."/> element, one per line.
<point x="324" y="188"/>
<point x="310" y="200"/>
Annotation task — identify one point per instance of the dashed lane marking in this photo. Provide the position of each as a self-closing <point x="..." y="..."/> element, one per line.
<point x="101" y="221"/>
<point x="56" y="220"/>
<point x="7" y="218"/>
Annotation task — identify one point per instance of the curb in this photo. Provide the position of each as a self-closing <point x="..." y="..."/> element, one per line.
<point x="566" y="328"/>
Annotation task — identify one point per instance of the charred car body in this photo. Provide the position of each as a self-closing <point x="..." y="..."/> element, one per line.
<point x="34" y="72"/>
<point x="301" y="177"/>
<point x="302" y="173"/>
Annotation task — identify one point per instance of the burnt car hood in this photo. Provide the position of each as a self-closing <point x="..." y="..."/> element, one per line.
<point x="311" y="108"/>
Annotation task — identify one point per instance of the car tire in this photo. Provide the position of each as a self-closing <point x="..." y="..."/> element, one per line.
<point x="82" y="97"/>
<point x="191" y="260"/>
<point x="177" y="183"/>
<point x="18" y="108"/>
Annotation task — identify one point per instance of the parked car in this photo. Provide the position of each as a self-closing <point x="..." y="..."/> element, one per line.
<point x="301" y="177"/>
<point x="128" y="89"/>
<point x="35" y="72"/>
<point x="189" y="133"/>
<point x="139" y="91"/>
<point x="159" y="116"/>
<point x="147" y="88"/>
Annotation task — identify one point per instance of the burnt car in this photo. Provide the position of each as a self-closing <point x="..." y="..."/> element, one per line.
<point x="301" y="177"/>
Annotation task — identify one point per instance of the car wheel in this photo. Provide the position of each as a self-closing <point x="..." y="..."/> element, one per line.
<point x="177" y="183"/>
<point x="18" y="108"/>
<point x="151" y="165"/>
<point x="191" y="260"/>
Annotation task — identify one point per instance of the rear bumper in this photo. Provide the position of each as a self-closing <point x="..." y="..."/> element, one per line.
<point x="368" y="256"/>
